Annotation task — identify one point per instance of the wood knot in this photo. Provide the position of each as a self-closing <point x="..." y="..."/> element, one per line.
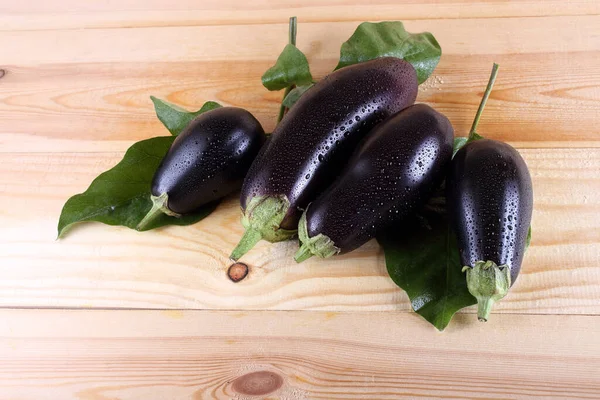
<point x="2" y="72"/>
<point x="257" y="383"/>
<point x="237" y="272"/>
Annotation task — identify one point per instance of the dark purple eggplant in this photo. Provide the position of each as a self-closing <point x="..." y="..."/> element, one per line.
<point x="490" y="202"/>
<point x="313" y="142"/>
<point x="392" y="174"/>
<point x="206" y="162"/>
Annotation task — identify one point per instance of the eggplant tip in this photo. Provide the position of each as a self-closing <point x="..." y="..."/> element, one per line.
<point x="262" y="219"/>
<point x="484" y="308"/>
<point x="303" y="254"/>
<point x="159" y="207"/>
<point x="320" y="245"/>
<point x="488" y="283"/>
<point x="247" y="242"/>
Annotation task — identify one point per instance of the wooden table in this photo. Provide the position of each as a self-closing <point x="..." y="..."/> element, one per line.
<point x="109" y="313"/>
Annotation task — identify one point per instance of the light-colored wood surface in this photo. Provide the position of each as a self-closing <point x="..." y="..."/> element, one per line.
<point x="199" y="354"/>
<point x="75" y="81"/>
<point x="100" y="79"/>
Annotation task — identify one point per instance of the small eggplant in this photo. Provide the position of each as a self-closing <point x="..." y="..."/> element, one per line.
<point x="490" y="202"/>
<point x="490" y="199"/>
<point x="392" y="174"/>
<point x="313" y="142"/>
<point x="206" y="162"/>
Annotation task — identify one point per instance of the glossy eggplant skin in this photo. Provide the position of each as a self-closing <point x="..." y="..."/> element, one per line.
<point x="392" y="174"/>
<point x="490" y="202"/>
<point x="318" y="135"/>
<point x="209" y="159"/>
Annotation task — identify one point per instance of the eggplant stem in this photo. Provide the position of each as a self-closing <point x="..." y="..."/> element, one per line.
<point x="292" y="40"/>
<point x="262" y="219"/>
<point x="247" y="242"/>
<point x="484" y="308"/>
<point x="488" y="283"/>
<point x="488" y="90"/>
<point x="303" y="254"/>
<point x="293" y="30"/>
<point x="159" y="207"/>
<point x="320" y="245"/>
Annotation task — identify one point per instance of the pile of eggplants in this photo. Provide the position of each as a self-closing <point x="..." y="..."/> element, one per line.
<point x="313" y="142"/>
<point x="366" y="163"/>
<point x="352" y="158"/>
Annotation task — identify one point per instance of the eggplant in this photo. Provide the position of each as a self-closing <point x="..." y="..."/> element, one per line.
<point x="313" y="142"/>
<point x="392" y="174"/>
<point x="206" y="162"/>
<point x="490" y="202"/>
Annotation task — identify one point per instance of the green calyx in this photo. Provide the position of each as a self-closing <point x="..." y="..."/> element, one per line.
<point x="159" y="207"/>
<point x="320" y="245"/>
<point x="262" y="220"/>
<point x="488" y="283"/>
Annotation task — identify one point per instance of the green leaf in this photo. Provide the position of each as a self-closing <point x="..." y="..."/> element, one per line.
<point x="121" y="195"/>
<point x="459" y="142"/>
<point x="473" y="136"/>
<point x="175" y="118"/>
<point x="390" y="39"/>
<point x="290" y="69"/>
<point x="423" y="260"/>
<point x="294" y="95"/>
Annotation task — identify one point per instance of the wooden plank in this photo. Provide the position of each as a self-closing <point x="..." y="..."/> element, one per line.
<point x="316" y="355"/>
<point x="519" y="35"/>
<point x="184" y="267"/>
<point x="105" y="107"/>
<point x="72" y="14"/>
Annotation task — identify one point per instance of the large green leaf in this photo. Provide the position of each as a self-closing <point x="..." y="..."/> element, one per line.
<point x="290" y="69"/>
<point x="390" y="39"/>
<point x="121" y="195"/>
<point x="175" y="118"/>
<point x="423" y="260"/>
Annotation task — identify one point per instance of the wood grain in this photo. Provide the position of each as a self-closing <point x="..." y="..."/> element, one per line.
<point x="73" y="14"/>
<point x="175" y="267"/>
<point x="264" y="42"/>
<point x="105" y="107"/>
<point x="198" y="355"/>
